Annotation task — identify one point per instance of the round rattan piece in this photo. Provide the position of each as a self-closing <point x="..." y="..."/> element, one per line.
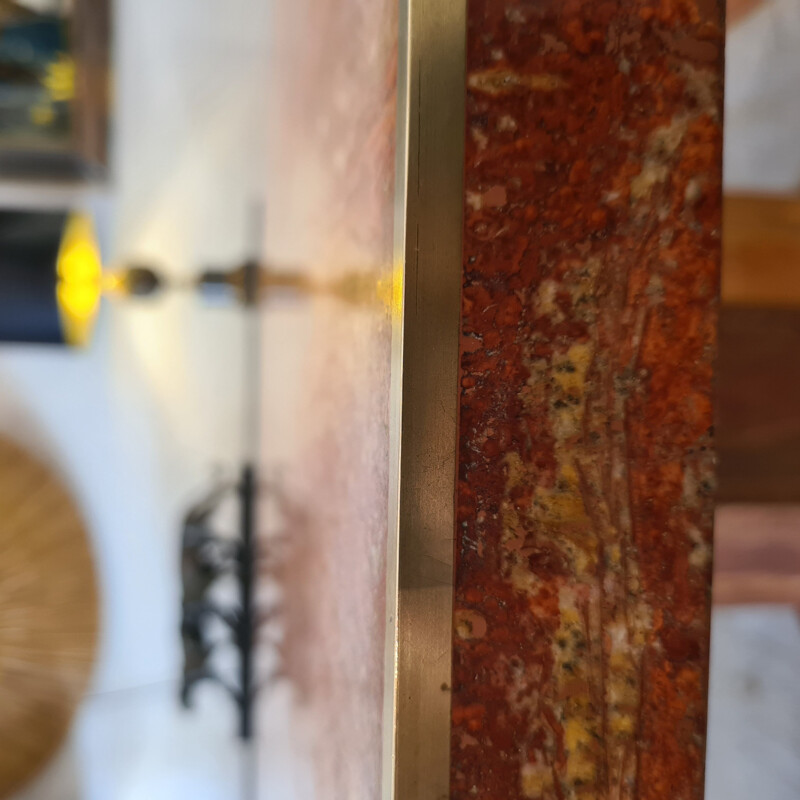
<point x="48" y="615"/>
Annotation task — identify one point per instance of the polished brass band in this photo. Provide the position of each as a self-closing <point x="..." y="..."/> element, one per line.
<point x="424" y="410"/>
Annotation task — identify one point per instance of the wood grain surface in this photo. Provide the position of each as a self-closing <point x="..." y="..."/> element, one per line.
<point x="757" y="554"/>
<point x="761" y="246"/>
<point x="737" y="10"/>
<point x="758" y="405"/>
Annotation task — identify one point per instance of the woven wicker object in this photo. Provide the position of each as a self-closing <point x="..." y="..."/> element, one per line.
<point x="48" y="615"/>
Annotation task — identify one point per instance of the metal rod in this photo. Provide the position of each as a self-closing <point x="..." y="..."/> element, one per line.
<point x="424" y="398"/>
<point x="246" y="630"/>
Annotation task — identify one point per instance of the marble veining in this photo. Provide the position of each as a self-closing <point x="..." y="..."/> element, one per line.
<point x="592" y="215"/>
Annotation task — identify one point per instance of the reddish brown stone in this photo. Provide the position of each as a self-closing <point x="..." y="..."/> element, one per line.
<point x="591" y="261"/>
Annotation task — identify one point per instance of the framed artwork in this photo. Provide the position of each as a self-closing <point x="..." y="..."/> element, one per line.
<point x="54" y="88"/>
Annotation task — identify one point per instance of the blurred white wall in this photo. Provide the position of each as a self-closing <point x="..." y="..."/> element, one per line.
<point x="138" y="422"/>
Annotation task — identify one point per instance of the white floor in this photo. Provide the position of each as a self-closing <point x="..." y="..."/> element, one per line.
<point x="762" y="104"/>
<point x="754" y="705"/>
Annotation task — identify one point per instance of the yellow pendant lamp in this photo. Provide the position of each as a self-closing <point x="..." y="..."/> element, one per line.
<point x="79" y="273"/>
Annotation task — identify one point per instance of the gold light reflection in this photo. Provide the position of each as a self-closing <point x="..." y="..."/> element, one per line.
<point x="79" y="286"/>
<point x="397" y="290"/>
<point x="114" y="283"/>
<point x="356" y="288"/>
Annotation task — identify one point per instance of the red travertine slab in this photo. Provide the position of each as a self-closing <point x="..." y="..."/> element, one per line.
<point x="591" y="265"/>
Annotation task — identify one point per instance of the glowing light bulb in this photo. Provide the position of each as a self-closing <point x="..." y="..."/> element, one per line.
<point x="80" y="280"/>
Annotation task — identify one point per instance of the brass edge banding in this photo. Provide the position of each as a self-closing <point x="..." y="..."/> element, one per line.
<point x="424" y="398"/>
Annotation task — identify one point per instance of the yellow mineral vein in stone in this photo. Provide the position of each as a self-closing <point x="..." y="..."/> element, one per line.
<point x="499" y="81"/>
<point x="537" y="780"/>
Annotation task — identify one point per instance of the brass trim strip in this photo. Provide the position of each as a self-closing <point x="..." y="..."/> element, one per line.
<point x="424" y="397"/>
